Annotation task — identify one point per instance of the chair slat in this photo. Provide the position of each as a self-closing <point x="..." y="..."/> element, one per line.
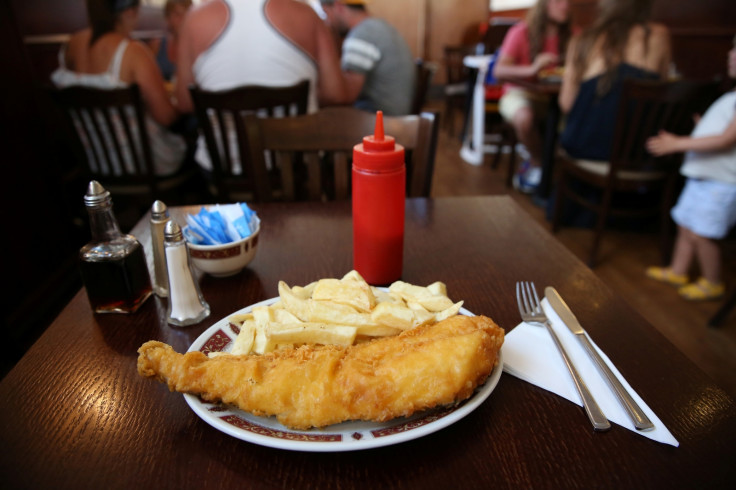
<point x="645" y="108"/>
<point x="337" y="130"/>
<point x="241" y="103"/>
<point x="342" y="175"/>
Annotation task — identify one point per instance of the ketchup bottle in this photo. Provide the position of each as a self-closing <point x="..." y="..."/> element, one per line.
<point x="379" y="191"/>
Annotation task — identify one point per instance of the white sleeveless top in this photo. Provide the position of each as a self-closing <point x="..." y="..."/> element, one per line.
<point x="251" y="51"/>
<point x="168" y="149"/>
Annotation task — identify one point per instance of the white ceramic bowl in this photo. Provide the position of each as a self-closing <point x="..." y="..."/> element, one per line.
<point x="226" y="259"/>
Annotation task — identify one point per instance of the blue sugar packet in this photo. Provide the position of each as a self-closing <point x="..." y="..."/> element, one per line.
<point x="221" y="224"/>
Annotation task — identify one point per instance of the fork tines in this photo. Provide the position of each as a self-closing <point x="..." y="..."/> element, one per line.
<point x="526" y="294"/>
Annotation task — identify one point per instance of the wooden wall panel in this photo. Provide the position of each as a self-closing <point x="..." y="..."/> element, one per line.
<point x="429" y="25"/>
<point x="702" y="33"/>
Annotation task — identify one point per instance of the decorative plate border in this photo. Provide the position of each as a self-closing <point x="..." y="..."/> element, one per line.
<point x="347" y="436"/>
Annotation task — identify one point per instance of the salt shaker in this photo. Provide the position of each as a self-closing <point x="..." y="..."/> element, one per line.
<point x="186" y="303"/>
<point x="159" y="217"/>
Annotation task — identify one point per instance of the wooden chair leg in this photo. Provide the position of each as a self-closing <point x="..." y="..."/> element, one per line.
<point x="498" y="155"/>
<point x="559" y="202"/>
<point x="511" y="138"/>
<point x="666" y="231"/>
<point x="723" y="311"/>
<point x="600" y="226"/>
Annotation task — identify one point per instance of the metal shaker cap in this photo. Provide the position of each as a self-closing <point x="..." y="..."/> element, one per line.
<point x="159" y="211"/>
<point x="172" y="232"/>
<point x="96" y="195"/>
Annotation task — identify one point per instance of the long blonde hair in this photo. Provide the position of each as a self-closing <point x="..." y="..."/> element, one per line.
<point x="536" y="21"/>
<point x="612" y="27"/>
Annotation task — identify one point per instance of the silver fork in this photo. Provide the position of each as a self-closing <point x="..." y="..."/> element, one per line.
<point x="531" y="312"/>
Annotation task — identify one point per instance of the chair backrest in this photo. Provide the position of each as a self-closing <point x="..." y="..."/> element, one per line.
<point x="455" y="70"/>
<point x="111" y="136"/>
<point x="313" y="152"/>
<point x="425" y="72"/>
<point x="228" y="152"/>
<point x="496" y="33"/>
<point x="648" y="106"/>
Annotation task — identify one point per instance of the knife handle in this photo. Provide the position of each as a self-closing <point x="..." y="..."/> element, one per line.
<point x="640" y="419"/>
<point x="594" y="412"/>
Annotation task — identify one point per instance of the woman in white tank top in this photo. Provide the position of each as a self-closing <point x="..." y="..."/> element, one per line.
<point x="103" y="56"/>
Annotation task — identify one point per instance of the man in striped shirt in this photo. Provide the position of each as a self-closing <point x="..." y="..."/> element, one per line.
<point x="376" y="61"/>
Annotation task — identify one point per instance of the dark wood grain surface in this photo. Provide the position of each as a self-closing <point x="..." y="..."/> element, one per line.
<point x="75" y="413"/>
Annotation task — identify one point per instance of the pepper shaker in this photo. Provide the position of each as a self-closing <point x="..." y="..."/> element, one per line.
<point x="159" y="217"/>
<point x="186" y="303"/>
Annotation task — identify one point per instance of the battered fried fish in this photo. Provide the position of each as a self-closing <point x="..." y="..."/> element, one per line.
<point x="316" y="386"/>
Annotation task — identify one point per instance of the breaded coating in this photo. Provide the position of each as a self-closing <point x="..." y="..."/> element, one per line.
<point x="317" y="386"/>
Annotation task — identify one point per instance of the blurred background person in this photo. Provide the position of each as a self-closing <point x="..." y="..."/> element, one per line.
<point x="377" y="64"/>
<point x="104" y="56"/>
<point x="224" y="44"/>
<point x="706" y="209"/>
<point x="622" y="43"/>
<point x="165" y="47"/>
<point x="530" y="46"/>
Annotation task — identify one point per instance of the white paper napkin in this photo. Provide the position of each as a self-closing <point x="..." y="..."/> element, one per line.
<point x="529" y="353"/>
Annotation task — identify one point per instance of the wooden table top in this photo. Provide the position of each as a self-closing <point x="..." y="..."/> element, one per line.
<point x="75" y="413"/>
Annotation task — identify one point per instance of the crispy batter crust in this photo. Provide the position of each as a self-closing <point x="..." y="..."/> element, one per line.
<point x="316" y="386"/>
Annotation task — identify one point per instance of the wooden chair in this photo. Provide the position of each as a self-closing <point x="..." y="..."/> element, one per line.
<point x="108" y="127"/>
<point x="644" y="109"/>
<point x="458" y="83"/>
<point x="424" y="75"/>
<point x="498" y="131"/>
<point x="313" y="152"/>
<point x="232" y="177"/>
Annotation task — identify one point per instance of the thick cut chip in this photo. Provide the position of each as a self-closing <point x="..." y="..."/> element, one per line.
<point x="339" y="311"/>
<point x="312" y="333"/>
<point x="243" y="343"/>
<point x="393" y="315"/>
<point x="347" y="292"/>
<point x="437" y="288"/>
<point x="421" y="295"/>
<point x="451" y="311"/>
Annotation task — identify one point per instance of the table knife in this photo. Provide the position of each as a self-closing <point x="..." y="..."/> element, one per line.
<point x="641" y="421"/>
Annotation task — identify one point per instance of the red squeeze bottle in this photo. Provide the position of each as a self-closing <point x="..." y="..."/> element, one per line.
<point x="379" y="191"/>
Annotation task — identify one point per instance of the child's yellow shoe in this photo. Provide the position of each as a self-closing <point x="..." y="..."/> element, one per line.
<point x="665" y="274"/>
<point x="702" y="290"/>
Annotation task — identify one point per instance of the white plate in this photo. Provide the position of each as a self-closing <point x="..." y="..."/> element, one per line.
<point x="347" y="436"/>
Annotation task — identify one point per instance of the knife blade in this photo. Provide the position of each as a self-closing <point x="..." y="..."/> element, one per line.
<point x="637" y="415"/>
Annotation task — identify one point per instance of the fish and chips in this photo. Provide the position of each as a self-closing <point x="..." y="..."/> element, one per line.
<point x="339" y="350"/>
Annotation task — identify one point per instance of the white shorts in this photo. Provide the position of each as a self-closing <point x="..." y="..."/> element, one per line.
<point x="514" y="99"/>
<point x="706" y="207"/>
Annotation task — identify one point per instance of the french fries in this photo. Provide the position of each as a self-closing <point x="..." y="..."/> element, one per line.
<point x="339" y="312"/>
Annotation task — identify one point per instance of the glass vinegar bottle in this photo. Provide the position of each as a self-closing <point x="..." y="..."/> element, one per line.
<point x="113" y="265"/>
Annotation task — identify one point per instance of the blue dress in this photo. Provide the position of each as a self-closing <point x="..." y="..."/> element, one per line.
<point x="588" y="132"/>
<point x="162" y="60"/>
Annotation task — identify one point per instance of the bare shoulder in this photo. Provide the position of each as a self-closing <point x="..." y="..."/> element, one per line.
<point x="298" y="22"/>
<point x="138" y="50"/>
<point x="659" y="38"/>
<point x="203" y="24"/>
<point x="292" y="12"/>
<point x="79" y="40"/>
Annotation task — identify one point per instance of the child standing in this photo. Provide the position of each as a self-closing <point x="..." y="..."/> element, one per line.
<point x="706" y="209"/>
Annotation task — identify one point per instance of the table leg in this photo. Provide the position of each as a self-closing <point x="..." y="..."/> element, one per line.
<point x="472" y="151"/>
<point x="472" y="75"/>
<point x="548" y="151"/>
